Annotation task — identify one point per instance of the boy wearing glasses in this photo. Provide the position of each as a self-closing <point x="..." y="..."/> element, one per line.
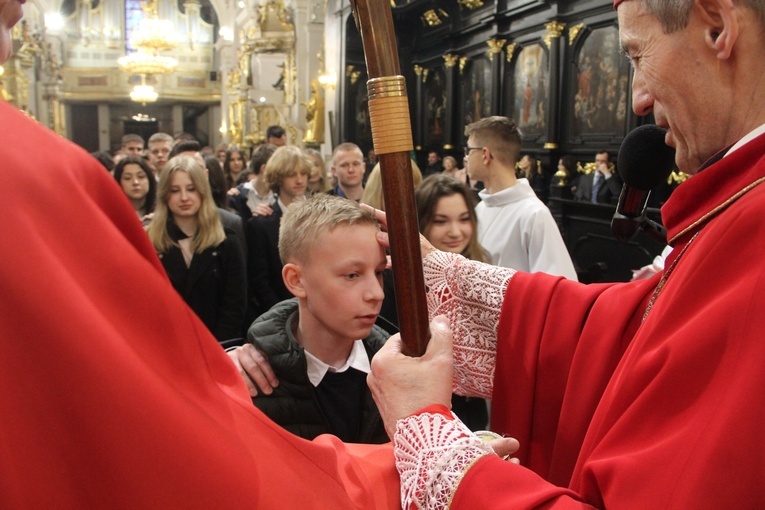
<point x="514" y="226"/>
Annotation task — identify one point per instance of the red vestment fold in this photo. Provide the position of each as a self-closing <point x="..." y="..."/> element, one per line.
<point x="114" y="393"/>
<point x="615" y="411"/>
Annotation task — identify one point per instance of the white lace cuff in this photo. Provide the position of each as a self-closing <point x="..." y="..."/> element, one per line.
<point x="470" y="294"/>
<point x="432" y="454"/>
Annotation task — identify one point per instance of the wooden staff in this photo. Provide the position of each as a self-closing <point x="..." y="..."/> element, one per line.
<point x="392" y="137"/>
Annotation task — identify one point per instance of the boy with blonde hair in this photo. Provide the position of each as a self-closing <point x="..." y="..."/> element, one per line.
<point x="320" y="344"/>
<point x="286" y="173"/>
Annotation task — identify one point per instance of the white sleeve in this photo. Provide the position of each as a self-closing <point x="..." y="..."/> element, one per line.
<point x="433" y="452"/>
<point x="470" y="294"/>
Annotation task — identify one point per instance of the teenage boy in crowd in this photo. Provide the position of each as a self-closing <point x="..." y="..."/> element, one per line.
<point x="320" y="344"/>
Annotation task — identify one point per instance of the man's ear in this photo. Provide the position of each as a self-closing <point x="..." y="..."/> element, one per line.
<point x="292" y="275"/>
<point x="722" y="26"/>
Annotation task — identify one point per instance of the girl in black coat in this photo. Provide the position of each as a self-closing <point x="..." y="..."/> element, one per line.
<point x="204" y="263"/>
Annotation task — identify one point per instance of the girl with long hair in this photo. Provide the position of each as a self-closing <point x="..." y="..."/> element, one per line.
<point x="137" y="182"/>
<point x="447" y="219"/>
<point x="233" y="166"/>
<point x="446" y="212"/>
<point x="203" y="261"/>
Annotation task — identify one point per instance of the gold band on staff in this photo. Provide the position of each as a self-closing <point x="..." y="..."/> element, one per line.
<point x="389" y="115"/>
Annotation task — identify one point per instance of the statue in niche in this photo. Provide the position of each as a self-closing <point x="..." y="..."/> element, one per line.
<point x="314" y="116"/>
<point x="279" y="85"/>
<point x="52" y="64"/>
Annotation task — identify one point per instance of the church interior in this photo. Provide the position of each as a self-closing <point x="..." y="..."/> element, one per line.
<point x="225" y="70"/>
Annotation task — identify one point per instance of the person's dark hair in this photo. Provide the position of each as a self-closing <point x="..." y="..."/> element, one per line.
<point x="260" y="157"/>
<point x="569" y="163"/>
<point x="187" y="146"/>
<point x="151" y="196"/>
<point x="184" y="137"/>
<point x="105" y="159"/>
<point x="274" y="131"/>
<point x="227" y="165"/>
<point x="433" y="189"/>
<point x="217" y="180"/>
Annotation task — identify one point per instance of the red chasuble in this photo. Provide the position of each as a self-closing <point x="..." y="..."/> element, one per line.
<point x="114" y="395"/>
<point x="616" y="412"/>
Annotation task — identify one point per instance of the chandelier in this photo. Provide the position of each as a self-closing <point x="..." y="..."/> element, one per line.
<point x="155" y="34"/>
<point x="152" y="36"/>
<point x="143" y="93"/>
<point x="144" y="62"/>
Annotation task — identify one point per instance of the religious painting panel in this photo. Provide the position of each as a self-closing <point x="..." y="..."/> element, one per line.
<point x="434" y="95"/>
<point x="600" y="90"/>
<point x="475" y="89"/>
<point x="530" y="90"/>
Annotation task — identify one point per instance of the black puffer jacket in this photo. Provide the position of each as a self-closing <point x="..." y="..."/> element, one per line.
<point x="294" y="405"/>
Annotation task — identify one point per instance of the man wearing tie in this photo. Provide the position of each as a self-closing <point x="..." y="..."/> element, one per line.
<point x="603" y="185"/>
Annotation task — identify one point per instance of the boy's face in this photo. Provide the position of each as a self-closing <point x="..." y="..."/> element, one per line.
<point x="294" y="184"/>
<point x="343" y="287"/>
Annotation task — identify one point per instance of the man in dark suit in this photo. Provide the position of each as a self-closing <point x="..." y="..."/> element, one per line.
<point x="603" y="185"/>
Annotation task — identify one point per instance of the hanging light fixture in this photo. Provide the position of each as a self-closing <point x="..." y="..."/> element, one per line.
<point x="144" y="62"/>
<point x="152" y="36"/>
<point x="143" y="93"/>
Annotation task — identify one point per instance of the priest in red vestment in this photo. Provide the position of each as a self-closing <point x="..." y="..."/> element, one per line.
<point x="638" y="395"/>
<point x="113" y="392"/>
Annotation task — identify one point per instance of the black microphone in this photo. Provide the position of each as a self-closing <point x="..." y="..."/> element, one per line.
<point x="644" y="161"/>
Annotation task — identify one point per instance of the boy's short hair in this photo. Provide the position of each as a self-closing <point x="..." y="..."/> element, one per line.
<point x="130" y="137"/>
<point x="161" y="137"/>
<point x="283" y="163"/>
<point x="274" y="132"/>
<point x="501" y="134"/>
<point x="306" y="221"/>
<point x="260" y="156"/>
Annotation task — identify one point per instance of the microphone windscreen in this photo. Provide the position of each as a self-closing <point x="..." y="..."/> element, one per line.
<point x="644" y="159"/>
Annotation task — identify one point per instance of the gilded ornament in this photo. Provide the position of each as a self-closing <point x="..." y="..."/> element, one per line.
<point x="510" y="51"/>
<point x="450" y="60"/>
<point x="573" y="32"/>
<point x="471" y="4"/>
<point x="430" y="18"/>
<point x="495" y="46"/>
<point x="554" y="31"/>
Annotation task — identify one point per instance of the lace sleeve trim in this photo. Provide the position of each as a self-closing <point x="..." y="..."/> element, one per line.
<point x="470" y="294"/>
<point x="433" y="452"/>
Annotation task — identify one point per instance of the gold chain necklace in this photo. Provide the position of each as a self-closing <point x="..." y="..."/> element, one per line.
<point x="665" y="276"/>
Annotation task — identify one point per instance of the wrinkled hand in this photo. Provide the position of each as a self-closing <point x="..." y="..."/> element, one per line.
<point x="254" y="368"/>
<point x="382" y="237"/>
<point x="402" y="385"/>
<point x="263" y="210"/>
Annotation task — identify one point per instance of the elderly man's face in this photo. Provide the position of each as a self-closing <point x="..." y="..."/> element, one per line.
<point x="671" y="80"/>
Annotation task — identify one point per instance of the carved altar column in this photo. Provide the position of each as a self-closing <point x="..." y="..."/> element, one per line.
<point x="553" y="42"/>
<point x="495" y="48"/>
<point x="450" y="65"/>
<point x="420" y="112"/>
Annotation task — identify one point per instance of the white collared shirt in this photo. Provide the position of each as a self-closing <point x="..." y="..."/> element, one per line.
<point x="358" y="359"/>
<point x="747" y="138"/>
